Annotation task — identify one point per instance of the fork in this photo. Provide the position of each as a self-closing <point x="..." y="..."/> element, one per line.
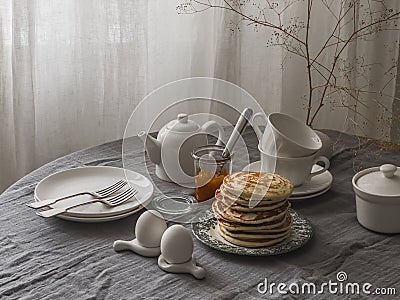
<point x="103" y="193"/>
<point x="113" y="201"/>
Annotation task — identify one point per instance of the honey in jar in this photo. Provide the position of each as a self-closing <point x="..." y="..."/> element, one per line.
<point x="210" y="168"/>
<point x="207" y="182"/>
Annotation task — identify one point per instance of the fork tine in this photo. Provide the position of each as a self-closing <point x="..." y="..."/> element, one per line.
<point x="122" y="197"/>
<point x="112" y="188"/>
<point x="115" y="189"/>
<point x="126" y="195"/>
<point x="109" y="187"/>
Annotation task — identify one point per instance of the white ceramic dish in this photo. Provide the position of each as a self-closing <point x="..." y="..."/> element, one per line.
<point x="378" y="198"/>
<point x="309" y="196"/>
<point x="91" y="179"/>
<point x="317" y="184"/>
<point x="293" y="138"/>
<point x="297" y="169"/>
<point x="100" y="219"/>
<point x="327" y="145"/>
<point x="184" y="134"/>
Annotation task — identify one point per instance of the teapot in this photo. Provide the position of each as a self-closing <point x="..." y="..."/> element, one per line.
<point x="171" y="151"/>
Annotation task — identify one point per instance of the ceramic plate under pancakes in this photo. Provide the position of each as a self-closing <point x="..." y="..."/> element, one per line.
<point x="206" y="231"/>
<point x="92" y="179"/>
<point x="317" y="183"/>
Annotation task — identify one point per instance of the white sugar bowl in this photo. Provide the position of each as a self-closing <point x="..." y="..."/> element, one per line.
<point x="378" y="198"/>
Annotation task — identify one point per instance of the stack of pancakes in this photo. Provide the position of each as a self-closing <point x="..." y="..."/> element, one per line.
<point x="252" y="208"/>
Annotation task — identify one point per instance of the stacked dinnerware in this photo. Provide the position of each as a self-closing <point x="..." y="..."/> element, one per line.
<point x="93" y="178"/>
<point x="290" y="148"/>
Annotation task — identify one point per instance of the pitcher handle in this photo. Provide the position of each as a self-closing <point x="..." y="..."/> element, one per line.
<point x="211" y="126"/>
<point x="256" y="124"/>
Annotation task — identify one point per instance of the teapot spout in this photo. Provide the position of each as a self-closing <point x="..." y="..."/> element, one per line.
<point x="153" y="147"/>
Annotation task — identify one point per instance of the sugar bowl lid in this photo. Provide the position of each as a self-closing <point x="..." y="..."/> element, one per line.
<point x="382" y="181"/>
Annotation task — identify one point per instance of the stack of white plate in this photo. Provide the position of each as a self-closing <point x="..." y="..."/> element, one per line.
<point x="92" y="179"/>
<point x="316" y="186"/>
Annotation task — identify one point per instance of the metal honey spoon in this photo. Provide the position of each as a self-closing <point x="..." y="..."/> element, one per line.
<point x="237" y="131"/>
<point x="213" y="177"/>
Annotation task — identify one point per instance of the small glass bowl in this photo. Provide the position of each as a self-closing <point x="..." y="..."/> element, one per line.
<point x="173" y="203"/>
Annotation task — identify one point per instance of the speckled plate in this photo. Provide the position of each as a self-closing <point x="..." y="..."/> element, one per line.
<point x="207" y="232"/>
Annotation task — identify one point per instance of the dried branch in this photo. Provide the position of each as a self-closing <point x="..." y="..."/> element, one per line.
<point x="365" y="19"/>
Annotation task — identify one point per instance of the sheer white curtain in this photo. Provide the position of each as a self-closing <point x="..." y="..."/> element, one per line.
<point x="278" y="79"/>
<point x="71" y="72"/>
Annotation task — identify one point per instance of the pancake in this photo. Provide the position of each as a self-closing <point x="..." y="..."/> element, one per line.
<point x="245" y="208"/>
<point x="274" y="226"/>
<point x="258" y="186"/>
<point x="257" y="217"/>
<point x="253" y="243"/>
<point x="230" y="197"/>
<point x="260" y="235"/>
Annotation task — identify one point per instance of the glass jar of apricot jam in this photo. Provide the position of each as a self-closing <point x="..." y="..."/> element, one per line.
<point x="210" y="170"/>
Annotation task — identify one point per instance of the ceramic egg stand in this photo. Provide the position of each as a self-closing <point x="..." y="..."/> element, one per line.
<point x="149" y="229"/>
<point x="173" y="245"/>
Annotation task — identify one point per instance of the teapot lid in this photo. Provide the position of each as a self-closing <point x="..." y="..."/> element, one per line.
<point x="183" y="124"/>
<point x="382" y="181"/>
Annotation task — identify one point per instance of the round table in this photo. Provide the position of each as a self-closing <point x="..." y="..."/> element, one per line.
<point x="53" y="258"/>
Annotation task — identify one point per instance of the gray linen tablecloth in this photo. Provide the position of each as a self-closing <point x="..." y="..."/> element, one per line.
<point x="57" y="259"/>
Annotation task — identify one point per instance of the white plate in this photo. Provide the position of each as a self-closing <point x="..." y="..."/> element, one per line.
<point x="101" y="219"/>
<point x="92" y="179"/>
<point x="317" y="183"/>
<point x="309" y="196"/>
